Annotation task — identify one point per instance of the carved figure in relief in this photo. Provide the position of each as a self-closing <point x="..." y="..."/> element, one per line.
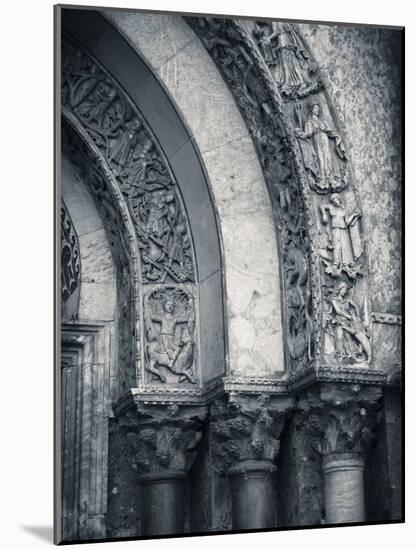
<point x="252" y="87"/>
<point x="325" y="166"/>
<point x="293" y="65"/>
<point x="96" y="110"/>
<point x="136" y="161"/>
<point x="171" y="346"/>
<point x="282" y="48"/>
<point x="123" y="145"/>
<point x="263" y="33"/>
<point x="351" y="341"/>
<point x="300" y="323"/>
<point x="345" y="239"/>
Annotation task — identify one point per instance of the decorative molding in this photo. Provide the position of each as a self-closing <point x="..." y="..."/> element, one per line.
<point x="386" y="318"/>
<point x="84" y="378"/>
<point x="246" y="385"/>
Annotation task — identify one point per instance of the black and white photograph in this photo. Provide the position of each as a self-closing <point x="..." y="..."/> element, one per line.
<point x="206" y="224"/>
<point x="229" y="225"/>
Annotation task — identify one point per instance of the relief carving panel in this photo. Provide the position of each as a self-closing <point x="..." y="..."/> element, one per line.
<point x="280" y="93"/>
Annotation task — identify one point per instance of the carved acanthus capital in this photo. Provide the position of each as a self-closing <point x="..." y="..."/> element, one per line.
<point x="343" y="419"/>
<point x="247" y="429"/>
<point x="163" y="439"/>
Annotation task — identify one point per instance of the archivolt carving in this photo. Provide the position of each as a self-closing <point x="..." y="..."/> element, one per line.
<point x="132" y="154"/>
<point x="92" y="100"/>
<point x="238" y="62"/>
<point x="272" y="75"/>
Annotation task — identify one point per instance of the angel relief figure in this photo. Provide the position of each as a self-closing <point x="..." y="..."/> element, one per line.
<point x="322" y="149"/>
<point x="169" y="329"/>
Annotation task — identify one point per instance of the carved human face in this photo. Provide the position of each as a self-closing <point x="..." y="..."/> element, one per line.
<point x="342" y="291"/>
<point x="241" y="63"/>
<point x="169" y="306"/>
<point x="316" y="109"/>
<point x="335" y="200"/>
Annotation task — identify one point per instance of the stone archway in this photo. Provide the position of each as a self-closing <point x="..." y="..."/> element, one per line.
<point x="318" y="334"/>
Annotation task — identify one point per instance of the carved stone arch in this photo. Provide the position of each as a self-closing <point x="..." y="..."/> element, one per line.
<point x="154" y="170"/>
<point x="325" y="286"/>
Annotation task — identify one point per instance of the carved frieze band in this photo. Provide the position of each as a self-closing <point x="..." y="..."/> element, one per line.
<point x="280" y="93"/>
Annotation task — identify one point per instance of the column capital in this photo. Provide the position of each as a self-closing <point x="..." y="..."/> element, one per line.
<point x="343" y="418"/>
<point x="246" y="432"/>
<point x="162" y="439"/>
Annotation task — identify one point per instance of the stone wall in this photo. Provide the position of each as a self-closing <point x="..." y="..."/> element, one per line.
<point x="361" y="66"/>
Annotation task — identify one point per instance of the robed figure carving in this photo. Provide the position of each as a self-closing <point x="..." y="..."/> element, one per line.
<point x="351" y="341"/>
<point x="323" y="151"/>
<point x="345" y="241"/>
<point x="170" y="325"/>
<point x="283" y="49"/>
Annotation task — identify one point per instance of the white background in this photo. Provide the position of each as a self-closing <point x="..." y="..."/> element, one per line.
<point x="26" y="302"/>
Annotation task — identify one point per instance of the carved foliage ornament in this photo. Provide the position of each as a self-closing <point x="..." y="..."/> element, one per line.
<point x="119" y="131"/>
<point x="345" y="429"/>
<point x="161" y="439"/>
<point x="342" y="418"/>
<point x="70" y="257"/>
<point x="167" y="448"/>
<point x="248" y="431"/>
